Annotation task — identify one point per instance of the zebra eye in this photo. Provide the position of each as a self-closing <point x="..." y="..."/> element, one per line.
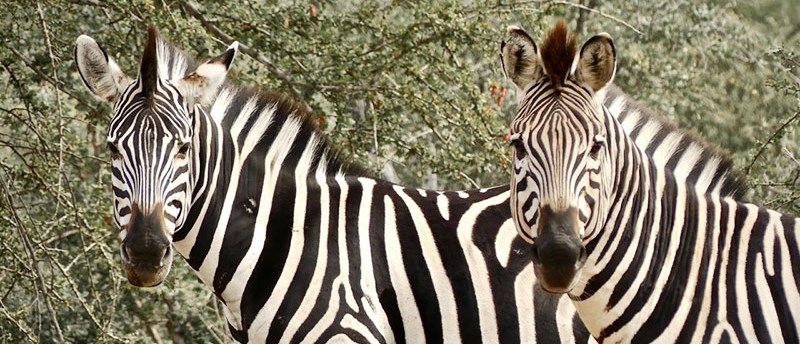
<point x="114" y="151"/>
<point x="519" y="148"/>
<point x="596" y="147"/>
<point x="183" y="149"/>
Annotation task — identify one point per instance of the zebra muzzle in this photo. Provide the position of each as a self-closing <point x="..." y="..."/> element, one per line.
<point x="558" y="253"/>
<point x="146" y="250"/>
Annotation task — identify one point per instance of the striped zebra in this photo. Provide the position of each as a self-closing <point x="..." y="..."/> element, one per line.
<point x="644" y="251"/>
<point x="298" y="245"/>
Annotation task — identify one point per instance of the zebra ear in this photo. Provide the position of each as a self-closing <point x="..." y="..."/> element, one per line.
<point x="597" y="63"/>
<point x="99" y="73"/>
<point x="201" y="85"/>
<point x="520" y="58"/>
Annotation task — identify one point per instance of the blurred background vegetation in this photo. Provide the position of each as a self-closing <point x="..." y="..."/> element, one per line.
<point x="411" y="91"/>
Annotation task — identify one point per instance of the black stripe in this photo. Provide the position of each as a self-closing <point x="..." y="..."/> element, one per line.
<point x="332" y="269"/>
<point x="775" y="283"/>
<point x="675" y="288"/>
<point x="689" y="328"/>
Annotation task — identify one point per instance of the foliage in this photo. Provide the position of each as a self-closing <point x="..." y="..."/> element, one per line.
<point x="411" y="91"/>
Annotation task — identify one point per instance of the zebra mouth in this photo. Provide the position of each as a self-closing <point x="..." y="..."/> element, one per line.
<point x="556" y="285"/>
<point x="145" y="274"/>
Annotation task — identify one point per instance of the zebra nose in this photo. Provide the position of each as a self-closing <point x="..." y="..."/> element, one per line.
<point x="143" y="256"/>
<point x="535" y="255"/>
<point x="581" y="258"/>
<point x="146" y="244"/>
<point x="125" y="255"/>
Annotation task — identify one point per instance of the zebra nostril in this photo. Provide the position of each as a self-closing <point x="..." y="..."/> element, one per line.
<point x="167" y="252"/>
<point x="582" y="257"/>
<point x="535" y="255"/>
<point x="124" y="250"/>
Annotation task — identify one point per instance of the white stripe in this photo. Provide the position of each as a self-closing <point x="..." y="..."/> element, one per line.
<point x="443" y="204"/>
<point x="275" y="156"/>
<point x="477" y="266"/>
<point x="677" y="322"/>
<point x="502" y="244"/>
<point x="184" y="246"/>
<point x="412" y="322"/>
<point x="331" y="311"/>
<point x="740" y="283"/>
<point x="713" y="264"/>
<point x="344" y="255"/>
<point x="371" y="299"/>
<point x="523" y="287"/>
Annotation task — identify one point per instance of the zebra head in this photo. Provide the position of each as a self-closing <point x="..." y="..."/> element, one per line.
<point x="151" y="143"/>
<point x="559" y="142"/>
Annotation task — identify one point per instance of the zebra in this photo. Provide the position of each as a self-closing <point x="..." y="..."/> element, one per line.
<point x="644" y="251"/>
<point x="297" y="244"/>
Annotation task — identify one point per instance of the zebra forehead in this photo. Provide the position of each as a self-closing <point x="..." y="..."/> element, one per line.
<point x="149" y="120"/>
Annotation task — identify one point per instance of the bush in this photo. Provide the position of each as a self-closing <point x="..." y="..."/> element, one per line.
<point x="413" y="92"/>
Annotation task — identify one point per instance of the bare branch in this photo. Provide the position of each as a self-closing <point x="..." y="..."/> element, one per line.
<point x="59" y="107"/>
<point x="26" y="243"/>
<point x="217" y="32"/>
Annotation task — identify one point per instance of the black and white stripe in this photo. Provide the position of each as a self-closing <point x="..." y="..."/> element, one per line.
<point x="299" y="246"/>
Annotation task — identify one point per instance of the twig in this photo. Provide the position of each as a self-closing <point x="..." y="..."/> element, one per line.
<point x="582" y="7"/>
<point x="55" y="82"/>
<point x="149" y="325"/>
<point x="26" y="242"/>
<point x="57" y="94"/>
<point x="22" y="328"/>
<point x="582" y="15"/>
<point x="769" y="141"/>
<point x="216" y="31"/>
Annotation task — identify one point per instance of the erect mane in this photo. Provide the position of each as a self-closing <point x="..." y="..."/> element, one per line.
<point x="558" y="52"/>
<point x="287" y="107"/>
<point x="728" y="181"/>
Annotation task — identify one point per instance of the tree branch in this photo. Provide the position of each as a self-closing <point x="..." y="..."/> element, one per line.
<point x="217" y="32"/>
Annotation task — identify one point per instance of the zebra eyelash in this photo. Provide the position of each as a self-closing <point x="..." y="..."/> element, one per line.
<point x="183" y="148"/>
<point x="519" y="147"/>
<point x="597" y="146"/>
<point x="115" y="154"/>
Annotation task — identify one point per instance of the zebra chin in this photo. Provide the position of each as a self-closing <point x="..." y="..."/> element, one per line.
<point x="557" y="283"/>
<point x="147" y="276"/>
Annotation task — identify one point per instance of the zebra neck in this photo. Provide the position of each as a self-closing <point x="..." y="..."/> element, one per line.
<point x="652" y="232"/>
<point x="256" y="153"/>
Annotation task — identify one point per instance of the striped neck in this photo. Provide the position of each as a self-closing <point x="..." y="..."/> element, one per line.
<point x="648" y="209"/>
<point x="246" y="139"/>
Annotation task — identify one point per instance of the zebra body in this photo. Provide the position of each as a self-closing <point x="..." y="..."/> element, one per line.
<point x="646" y="252"/>
<point x="297" y="245"/>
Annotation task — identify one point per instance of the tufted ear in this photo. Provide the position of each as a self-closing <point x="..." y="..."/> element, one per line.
<point x="99" y="73"/>
<point x="520" y="58"/>
<point x="598" y="62"/>
<point x="201" y="85"/>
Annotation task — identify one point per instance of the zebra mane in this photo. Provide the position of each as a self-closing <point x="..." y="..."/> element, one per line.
<point x="174" y="63"/>
<point x="709" y="158"/>
<point x="287" y="109"/>
<point x="558" y="52"/>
